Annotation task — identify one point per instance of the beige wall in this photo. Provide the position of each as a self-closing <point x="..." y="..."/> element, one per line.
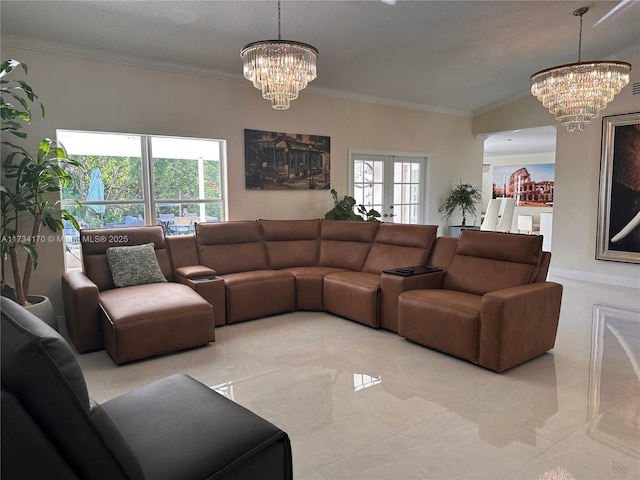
<point x="90" y="95"/>
<point x="576" y="183"/>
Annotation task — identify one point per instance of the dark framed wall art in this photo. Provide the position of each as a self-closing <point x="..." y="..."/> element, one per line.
<point x="619" y="196"/>
<point x="286" y="161"/>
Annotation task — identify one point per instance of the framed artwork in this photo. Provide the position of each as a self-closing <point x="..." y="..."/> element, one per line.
<point x="286" y="161"/>
<point x="618" y="236"/>
<point x="614" y="405"/>
<point x="530" y="185"/>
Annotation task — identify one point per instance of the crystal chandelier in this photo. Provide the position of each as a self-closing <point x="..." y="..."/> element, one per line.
<point x="575" y="93"/>
<point x="279" y="68"/>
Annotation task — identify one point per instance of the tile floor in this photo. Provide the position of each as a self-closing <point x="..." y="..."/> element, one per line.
<point x="365" y="404"/>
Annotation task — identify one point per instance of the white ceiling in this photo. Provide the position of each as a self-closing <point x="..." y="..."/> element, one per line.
<point x="461" y="57"/>
<point x="522" y="142"/>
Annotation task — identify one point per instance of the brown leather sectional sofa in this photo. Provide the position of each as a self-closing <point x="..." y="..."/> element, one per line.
<point x="137" y="321"/>
<point x="251" y="269"/>
<point x="491" y="305"/>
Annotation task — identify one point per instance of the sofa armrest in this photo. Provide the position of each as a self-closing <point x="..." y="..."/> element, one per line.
<point x="517" y="324"/>
<point x="194" y="271"/>
<point x="209" y="286"/>
<point x="82" y="311"/>
<point x="391" y="286"/>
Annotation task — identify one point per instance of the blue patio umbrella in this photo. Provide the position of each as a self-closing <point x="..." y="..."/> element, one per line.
<point x="96" y="190"/>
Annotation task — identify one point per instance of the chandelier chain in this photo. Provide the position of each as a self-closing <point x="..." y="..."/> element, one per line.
<point x="280" y="31"/>
<point x="579" y="38"/>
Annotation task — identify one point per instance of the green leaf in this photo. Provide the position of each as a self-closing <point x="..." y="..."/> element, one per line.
<point x="67" y="216"/>
<point x="9" y="65"/>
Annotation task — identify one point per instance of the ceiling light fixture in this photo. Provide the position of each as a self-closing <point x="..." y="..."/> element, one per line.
<point x="279" y="68"/>
<point x="575" y="93"/>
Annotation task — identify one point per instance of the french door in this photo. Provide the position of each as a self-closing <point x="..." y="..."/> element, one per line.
<point x="394" y="185"/>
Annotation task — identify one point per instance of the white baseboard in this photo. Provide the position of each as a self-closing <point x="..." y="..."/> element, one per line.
<point x="633" y="282"/>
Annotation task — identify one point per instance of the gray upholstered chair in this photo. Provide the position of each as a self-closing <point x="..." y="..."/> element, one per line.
<point x="174" y="428"/>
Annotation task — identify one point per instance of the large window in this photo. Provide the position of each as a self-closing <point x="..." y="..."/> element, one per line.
<point x="132" y="180"/>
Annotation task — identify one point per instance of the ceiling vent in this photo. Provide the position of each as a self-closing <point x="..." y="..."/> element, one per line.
<point x="635" y="89"/>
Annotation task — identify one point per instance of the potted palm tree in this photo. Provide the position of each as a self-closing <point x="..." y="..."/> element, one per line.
<point x="464" y="197"/>
<point x="28" y="182"/>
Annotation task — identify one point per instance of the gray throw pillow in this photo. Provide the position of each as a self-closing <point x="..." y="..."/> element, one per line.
<point x="134" y="265"/>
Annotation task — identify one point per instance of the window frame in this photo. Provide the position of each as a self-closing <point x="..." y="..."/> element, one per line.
<point x="148" y="187"/>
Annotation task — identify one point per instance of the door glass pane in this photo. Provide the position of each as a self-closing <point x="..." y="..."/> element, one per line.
<point x="378" y="171"/>
<point x="406" y="191"/>
<point x="368" y="183"/>
<point x="377" y="194"/>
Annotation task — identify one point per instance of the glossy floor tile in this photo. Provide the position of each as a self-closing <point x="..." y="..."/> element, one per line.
<point x="360" y="403"/>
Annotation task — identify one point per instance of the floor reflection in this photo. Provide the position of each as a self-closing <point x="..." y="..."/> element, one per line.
<point x="614" y="394"/>
<point x="363" y="404"/>
<point x="558" y="473"/>
<point x="362" y="381"/>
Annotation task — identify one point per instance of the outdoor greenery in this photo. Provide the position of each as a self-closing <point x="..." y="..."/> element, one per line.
<point x="345" y="209"/>
<point x="29" y="181"/>
<point x="465" y="197"/>
<point x="174" y="179"/>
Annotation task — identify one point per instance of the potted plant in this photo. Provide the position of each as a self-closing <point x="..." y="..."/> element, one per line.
<point x="28" y="182"/>
<point x="464" y="197"/>
<point x="344" y="210"/>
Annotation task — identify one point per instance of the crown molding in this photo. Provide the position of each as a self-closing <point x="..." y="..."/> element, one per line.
<point x="119" y="58"/>
<point x="176" y="67"/>
<point x="357" y="97"/>
<point x="502" y="103"/>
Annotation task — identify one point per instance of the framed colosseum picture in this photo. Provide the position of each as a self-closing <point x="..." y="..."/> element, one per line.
<point x="530" y="185"/>
<point x="618" y="236"/>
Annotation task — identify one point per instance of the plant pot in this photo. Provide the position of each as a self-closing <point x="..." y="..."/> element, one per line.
<point x="42" y="308"/>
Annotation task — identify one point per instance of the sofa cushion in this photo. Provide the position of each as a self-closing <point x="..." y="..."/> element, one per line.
<point x="446" y="320"/>
<point x="259" y="293"/>
<point x="182" y="249"/>
<point x="231" y="247"/>
<point x="134" y="265"/>
<point x="96" y="242"/>
<point x="27" y="452"/>
<point x="310" y="285"/>
<point x="291" y="243"/>
<point x="30" y="350"/>
<point x="40" y="370"/>
<point x="399" y="246"/>
<point x="345" y="244"/>
<point x="353" y="295"/>
<point x="145" y="320"/>
<point x="442" y="252"/>
<point x="181" y="429"/>
<point x="489" y="261"/>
